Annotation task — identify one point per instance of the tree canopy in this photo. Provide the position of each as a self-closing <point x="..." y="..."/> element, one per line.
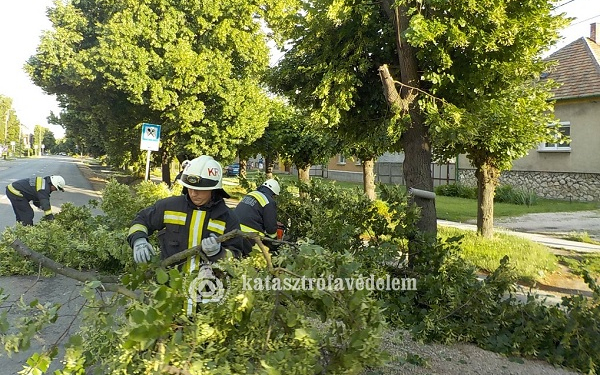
<point x="192" y="67"/>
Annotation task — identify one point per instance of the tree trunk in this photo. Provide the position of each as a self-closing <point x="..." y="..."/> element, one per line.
<point x="417" y="150"/>
<point x="304" y="174"/>
<point x="487" y="180"/>
<point x="269" y="166"/>
<point x="165" y="167"/>
<point x="243" y="167"/>
<point x="369" y="178"/>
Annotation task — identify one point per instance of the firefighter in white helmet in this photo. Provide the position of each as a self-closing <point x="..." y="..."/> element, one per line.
<point x="184" y="165"/>
<point x="36" y="190"/>
<point x="188" y="220"/>
<point x="257" y="212"/>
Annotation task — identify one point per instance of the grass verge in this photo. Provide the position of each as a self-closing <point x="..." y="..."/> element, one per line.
<point x="530" y="261"/>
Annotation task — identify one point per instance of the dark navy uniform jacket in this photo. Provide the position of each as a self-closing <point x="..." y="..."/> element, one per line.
<point x="34" y="189"/>
<point x="183" y="225"/>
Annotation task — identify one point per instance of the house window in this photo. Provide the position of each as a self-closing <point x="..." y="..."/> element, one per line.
<point x="565" y="129"/>
<point x="341" y="159"/>
<point x="357" y="162"/>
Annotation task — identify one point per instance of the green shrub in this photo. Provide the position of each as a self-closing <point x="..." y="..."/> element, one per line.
<point x="508" y="194"/>
<point x="456" y="190"/>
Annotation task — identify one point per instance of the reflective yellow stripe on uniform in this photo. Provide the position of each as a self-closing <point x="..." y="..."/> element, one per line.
<point x="194" y="239"/>
<point x="260" y="197"/>
<point x="217" y="226"/>
<point x="40" y="183"/>
<point x="48" y="212"/>
<point x="137" y="228"/>
<point x="14" y="191"/>
<point x="247" y="229"/>
<point x="174" y="217"/>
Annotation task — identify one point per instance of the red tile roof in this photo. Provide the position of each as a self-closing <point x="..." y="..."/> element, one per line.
<point x="578" y="69"/>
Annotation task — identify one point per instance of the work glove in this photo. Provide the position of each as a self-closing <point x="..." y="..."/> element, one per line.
<point x="48" y="217"/>
<point x="142" y="251"/>
<point x="210" y="246"/>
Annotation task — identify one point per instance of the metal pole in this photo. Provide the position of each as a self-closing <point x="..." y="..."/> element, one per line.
<point x="148" y="165"/>
<point x="6" y="125"/>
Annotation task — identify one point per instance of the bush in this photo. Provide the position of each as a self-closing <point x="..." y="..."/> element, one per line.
<point x="456" y="190"/>
<point x="508" y="194"/>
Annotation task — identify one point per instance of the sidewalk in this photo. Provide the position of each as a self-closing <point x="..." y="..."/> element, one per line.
<point x="555" y="243"/>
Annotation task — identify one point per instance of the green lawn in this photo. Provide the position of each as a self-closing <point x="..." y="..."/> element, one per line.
<point x="461" y="209"/>
<point x="529" y="260"/>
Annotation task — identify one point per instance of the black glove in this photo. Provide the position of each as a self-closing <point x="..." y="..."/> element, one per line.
<point x="37" y="204"/>
<point x="48" y="217"/>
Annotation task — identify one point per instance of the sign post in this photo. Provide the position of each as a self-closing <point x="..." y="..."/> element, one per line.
<point x="149" y="142"/>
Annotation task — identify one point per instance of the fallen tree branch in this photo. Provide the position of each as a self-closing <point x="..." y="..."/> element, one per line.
<point x="110" y="286"/>
<point x="197" y="250"/>
<point x="109" y="283"/>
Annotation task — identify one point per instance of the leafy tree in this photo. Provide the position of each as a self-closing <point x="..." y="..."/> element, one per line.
<point x="461" y="53"/>
<point x="303" y="143"/>
<point x="192" y="67"/>
<point x="9" y="123"/>
<point x="484" y="60"/>
<point x="48" y="139"/>
<point x="330" y="70"/>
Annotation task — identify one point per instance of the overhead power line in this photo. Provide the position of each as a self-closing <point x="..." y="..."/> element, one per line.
<point x="560" y="5"/>
<point x="587" y="19"/>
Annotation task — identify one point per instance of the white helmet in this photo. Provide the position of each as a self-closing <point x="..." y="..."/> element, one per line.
<point x="58" y="182"/>
<point x="202" y="173"/>
<point x="273" y="185"/>
<point x="184" y="164"/>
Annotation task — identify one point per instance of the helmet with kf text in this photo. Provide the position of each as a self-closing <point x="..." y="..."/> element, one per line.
<point x="203" y="173"/>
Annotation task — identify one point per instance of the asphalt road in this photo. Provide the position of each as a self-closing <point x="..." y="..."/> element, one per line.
<point x="78" y="189"/>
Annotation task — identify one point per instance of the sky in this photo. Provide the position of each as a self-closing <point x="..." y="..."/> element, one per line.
<point x="23" y="21"/>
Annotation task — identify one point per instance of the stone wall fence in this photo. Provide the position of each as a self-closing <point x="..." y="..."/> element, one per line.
<point x="552" y="185"/>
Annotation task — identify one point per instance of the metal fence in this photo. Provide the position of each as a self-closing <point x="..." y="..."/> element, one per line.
<point x="387" y="173"/>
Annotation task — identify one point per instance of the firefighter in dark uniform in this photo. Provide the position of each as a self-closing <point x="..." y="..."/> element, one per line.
<point x="184" y="165"/>
<point x="189" y="220"/>
<point x="36" y="190"/>
<point x="257" y="212"/>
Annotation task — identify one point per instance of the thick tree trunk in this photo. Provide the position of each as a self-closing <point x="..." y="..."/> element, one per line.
<point x="417" y="150"/>
<point x="269" y="166"/>
<point x="304" y="174"/>
<point x="487" y="180"/>
<point x="243" y="167"/>
<point x="165" y="168"/>
<point x="369" y="178"/>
